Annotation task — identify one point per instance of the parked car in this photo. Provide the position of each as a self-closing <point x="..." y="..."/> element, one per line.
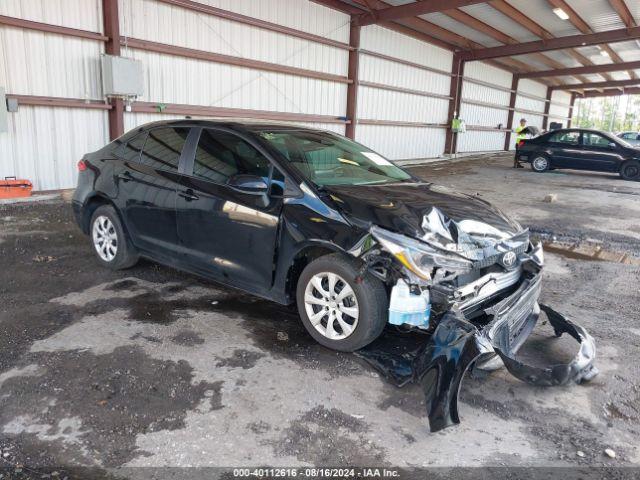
<point x="581" y="149"/>
<point x="303" y="216"/>
<point x="632" y="138"/>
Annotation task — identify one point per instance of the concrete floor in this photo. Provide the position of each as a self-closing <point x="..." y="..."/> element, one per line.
<point x="152" y="367"/>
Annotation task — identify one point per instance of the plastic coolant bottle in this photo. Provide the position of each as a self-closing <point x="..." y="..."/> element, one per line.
<point x="406" y="308"/>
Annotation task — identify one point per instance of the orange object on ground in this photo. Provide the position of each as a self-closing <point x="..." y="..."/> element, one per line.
<point x="12" y="188"/>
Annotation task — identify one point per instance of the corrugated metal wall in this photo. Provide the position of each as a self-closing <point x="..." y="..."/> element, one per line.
<point x="530" y="105"/>
<point x="485" y="100"/>
<point x="402" y="104"/>
<point x="560" y="107"/>
<point x="384" y="107"/>
<point x="44" y="144"/>
<point x="171" y="79"/>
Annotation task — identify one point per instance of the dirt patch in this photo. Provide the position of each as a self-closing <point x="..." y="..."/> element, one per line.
<point x="84" y="403"/>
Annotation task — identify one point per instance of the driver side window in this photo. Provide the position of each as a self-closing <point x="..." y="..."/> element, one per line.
<point x="220" y="155"/>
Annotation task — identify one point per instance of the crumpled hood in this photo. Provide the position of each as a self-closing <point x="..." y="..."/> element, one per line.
<point x="402" y="207"/>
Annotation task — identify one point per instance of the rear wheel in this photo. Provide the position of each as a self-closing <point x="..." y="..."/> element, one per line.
<point x="630" y="170"/>
<point x="540" y="164"/>
<point x="340" y="310"/>
<point x="110" y="242"/>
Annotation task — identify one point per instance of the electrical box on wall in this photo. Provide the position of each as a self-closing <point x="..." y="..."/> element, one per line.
<point x="4" y="123"/>
<point x="122" y="77"/>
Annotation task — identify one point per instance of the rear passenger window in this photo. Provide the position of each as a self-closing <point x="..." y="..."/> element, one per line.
<point x="163" y="148"/>
<point x="571" y="138"/>
<point x="131" y="151"/>
<point x="221" y="155"/>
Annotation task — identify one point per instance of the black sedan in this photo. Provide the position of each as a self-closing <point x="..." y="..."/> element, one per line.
<point x="304" y="216"/>
<point x="581" y="149"/>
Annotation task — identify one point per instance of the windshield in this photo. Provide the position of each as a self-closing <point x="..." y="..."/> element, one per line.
<point x="328" y="159"/>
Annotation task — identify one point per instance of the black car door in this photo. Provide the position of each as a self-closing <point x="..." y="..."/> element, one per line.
<point x="225" y="231"/>
<point x="600" y="153"/>
<point x="565" y="148"/>
<point x="147" y="186"/>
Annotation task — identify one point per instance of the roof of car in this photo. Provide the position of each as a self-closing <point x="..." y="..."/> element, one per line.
<point x="246" y="123"/>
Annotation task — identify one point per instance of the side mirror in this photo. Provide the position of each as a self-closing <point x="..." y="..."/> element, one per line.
<point x="613" y="145"/>
<point x="252" y="184"/>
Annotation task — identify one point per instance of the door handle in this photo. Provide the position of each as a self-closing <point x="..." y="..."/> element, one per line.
<point x="125" y="177"/>
<point x="188" y="195"/>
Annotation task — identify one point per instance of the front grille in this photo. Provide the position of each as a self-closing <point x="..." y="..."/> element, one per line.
<point x="493" y="259"/>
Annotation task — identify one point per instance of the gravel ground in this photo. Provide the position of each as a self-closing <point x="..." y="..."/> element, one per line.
<point x="153" y="368"/>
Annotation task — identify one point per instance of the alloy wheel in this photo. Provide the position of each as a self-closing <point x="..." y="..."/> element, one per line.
<point x="631" y="171"/>
<point x="331" y="305"/>
<point x="540" y="163"/>
<point x="105" y="238"/>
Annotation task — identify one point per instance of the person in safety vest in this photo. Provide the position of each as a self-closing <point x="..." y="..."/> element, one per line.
<point x="520" y="135"/>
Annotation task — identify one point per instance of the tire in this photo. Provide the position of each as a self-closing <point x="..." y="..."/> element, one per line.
<point x="540" y="164"/>
<point x="630" y="170"/>
<point x="109" y="241"/>
<point x="365" y="309"/>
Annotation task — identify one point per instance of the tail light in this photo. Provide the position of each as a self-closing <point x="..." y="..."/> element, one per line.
<point x="521" y="144"/>
<point x="82" y="166"/>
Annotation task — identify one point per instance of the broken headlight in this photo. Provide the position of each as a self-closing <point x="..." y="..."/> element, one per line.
<point x="418" y="257"/>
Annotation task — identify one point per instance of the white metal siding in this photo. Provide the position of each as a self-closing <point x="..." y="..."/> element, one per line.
<point x="398" y="143"/>
<point x="493" y="90"/>
<point x="149" y="19"/>
<point x="133" y="120"/>
<point x="393" y="141"/>
<point x="559" y="107"/>
<point x="37" y="63"/>
<point x="44" y="144"/>
<point x="81" y="14"/>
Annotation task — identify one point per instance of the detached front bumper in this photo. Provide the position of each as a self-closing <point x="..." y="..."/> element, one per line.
<point x="440" y="363"/>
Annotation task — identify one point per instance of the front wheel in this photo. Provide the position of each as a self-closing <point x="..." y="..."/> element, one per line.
<point x="630" y="170"/>
<point x="540" y="164"/>
<point x="339" y="309"/>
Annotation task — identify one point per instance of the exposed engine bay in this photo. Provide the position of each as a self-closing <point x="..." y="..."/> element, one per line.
<point x="472" y="290"/>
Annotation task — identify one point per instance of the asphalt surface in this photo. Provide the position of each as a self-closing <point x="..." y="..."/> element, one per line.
<point x="150" y="367"/>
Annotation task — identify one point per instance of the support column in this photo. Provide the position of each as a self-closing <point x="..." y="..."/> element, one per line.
<point x="571" y="105"/>
<point x="547" y="109"/>
<point x="512" y="110"/>
<point x="455" y="92"/>
<point x="111" y="27"/>
<point x="353" y="74"/>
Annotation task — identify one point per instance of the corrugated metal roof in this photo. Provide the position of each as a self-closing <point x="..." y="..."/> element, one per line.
<point x="540" y="12"/>
<point x="452" y="25"/>
<point x="499" y="21"/>
<point x="598" y="14"/>
<point x="634" y="8"/>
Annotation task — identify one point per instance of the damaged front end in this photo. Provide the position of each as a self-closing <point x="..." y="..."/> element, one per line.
<point x="472" y="291"/>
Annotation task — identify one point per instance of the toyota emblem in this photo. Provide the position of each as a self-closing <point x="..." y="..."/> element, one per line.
<point x="509" y="259"/>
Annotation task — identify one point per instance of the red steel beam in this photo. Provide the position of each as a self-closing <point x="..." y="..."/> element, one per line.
<point x="609" y="67"/>
<point x="560" y="43"/>
<point x="547" y="109"/>
<point x="111" y="26"/>
<point x="455" y="92"/>
<point x="412" y="10"/>
<point x="56" y="29"/>
<point x="230" y="60"/>
<point x="515" y="81"/>
<point x="584" y="86"/>
<point x="254" y="22"/>
<point x="611" y="92"/>
<point x="203" y="111"/>
<point x="38" y="101"/>
<point x="352" y="88"/>
<point x="571" y="105"/>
